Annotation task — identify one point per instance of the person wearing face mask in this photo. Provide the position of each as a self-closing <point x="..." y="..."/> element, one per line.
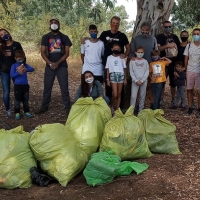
<point x="21" y="87"/>
<point x="91" y="54"/>
<point x="192" y="66"/>
<point x="7" y="58"/>
<point x="149" y="43"/>
<point x="90" y="87"/>
<point x="167" y="41"/>
<point x="55" y="50"/>
<point x="139" y="71"/>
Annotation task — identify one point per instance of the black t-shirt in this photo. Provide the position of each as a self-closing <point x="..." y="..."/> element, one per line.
<point x="109" y="39"/>
<point x="164" y="39"/>
<point x="180" y="56"/>
<point x="8" y="58"/>
<point x="55" y="46"/>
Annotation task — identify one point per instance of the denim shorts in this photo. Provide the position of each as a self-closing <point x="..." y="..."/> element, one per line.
<point x="116" y="77"/>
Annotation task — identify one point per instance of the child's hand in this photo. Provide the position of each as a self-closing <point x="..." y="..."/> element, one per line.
<point x="133" y="59"/>
<point x="139" y="83"/>
<point x="175" y="74"/>
<point x="108" y="82"/>
<point x="153" y="78"/>
<point x="21" y="69"/>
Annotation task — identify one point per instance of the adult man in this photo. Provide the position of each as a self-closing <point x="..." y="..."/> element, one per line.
<point x="149" y="43"/>
<point x="167" y="41"/>
<point x="110" y="37"/>
<point x="91" y="54"/>
<point x="192" y="66"/>
<point x="55" y="50"/>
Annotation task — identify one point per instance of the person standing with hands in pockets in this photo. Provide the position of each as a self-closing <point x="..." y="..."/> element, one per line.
<point x="139" y="71"/>
<point x="116" y="75"/>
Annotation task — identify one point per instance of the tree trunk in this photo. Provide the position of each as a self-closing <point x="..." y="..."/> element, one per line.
<point x="155" y="12"/>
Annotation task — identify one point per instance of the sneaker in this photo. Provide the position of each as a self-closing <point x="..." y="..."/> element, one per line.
<point x="8" y="114"/>
<point x="198" y="113"/>
<point x="68" y="110"/>
<point x="183" y="108"/>
<point x="174" y="107"/>
<point x="190" y="110"/>
<point x="17" y="116"/>
<point x="28" y="115"/>
<point x="41" y="110"/>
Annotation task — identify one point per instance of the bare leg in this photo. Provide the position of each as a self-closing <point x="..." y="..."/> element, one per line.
<point x="119" y="91"/>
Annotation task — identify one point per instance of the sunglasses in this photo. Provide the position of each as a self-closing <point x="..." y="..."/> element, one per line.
<point x="167" y="26"/>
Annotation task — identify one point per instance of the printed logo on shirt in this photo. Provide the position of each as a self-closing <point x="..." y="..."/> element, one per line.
<point x="54" y="45"/>
<point x="111" y="39"/>
<point x="157" y="69"/>
<point x="139" y="64"/>
<point x="116" y="63"/>
<point x="194" y="55"/>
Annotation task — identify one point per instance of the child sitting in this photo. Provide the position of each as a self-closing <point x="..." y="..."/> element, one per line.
<point x="139" y="71"/>
<point x="179" y="80"/>
<point x="21" y="87"/>
<point x="158" y="76"/>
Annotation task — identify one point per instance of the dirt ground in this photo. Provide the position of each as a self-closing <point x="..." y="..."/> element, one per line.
<point x="174" y="177"/>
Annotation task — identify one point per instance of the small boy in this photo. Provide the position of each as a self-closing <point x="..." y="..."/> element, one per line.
<point x="158" y="76"/>
<point x="91" y="54"/>
<point x="139" y="71"/>
<point x="21" y="87"/>
<point x="179" y="80"/>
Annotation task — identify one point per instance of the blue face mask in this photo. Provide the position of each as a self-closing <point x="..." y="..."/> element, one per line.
<point x="196" y="38"/>
<point x="93" y="35"/>
<point x="154" y="58"/>
<point x="20" y="61"/>
<point x="6" y="37"/>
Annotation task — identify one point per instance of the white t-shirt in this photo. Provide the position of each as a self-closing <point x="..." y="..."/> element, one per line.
<point x="194" y="57"/>
<point x="115" y="64"/>
<point x="93" y="52"/>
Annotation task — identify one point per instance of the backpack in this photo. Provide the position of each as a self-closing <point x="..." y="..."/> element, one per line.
<point x="47" y="43"/>
<point x="171" y="52"/>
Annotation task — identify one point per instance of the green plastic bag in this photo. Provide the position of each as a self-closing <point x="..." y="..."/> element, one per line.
<point x="86" y="122"/>
<point x="103" y="168"/>
<point x="57" y="151"/>
<point x="160" y="133"/>
<point x="124" y="134"/>
<point x="16" y="159"/>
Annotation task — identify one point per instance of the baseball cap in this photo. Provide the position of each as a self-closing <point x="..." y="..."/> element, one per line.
<point x="54" y="18"/>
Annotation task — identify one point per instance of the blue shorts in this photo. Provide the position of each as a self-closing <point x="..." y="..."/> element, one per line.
<point x="116" y="77"/>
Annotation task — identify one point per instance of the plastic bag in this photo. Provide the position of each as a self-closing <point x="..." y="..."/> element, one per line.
<point x="103" y="168"/>
<point x="160" y="133"/>
<point x="16" y="159"/>
<point x="57" y="151"/>
<point x="39" y="178"/>
<point x="86" y="122"/>
<point x="125" y="135"/>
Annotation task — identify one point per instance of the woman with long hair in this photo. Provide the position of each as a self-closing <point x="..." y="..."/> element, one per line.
<point x="90" y="87"/>
<point x="7" y="58"/>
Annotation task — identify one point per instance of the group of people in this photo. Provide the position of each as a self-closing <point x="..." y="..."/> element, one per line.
<point x="150" y="59"/>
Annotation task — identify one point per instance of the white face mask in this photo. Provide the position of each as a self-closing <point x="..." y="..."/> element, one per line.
<point x="54" y="27"/>
<point x="89" y="80"/>
<point x="139" y="55"/>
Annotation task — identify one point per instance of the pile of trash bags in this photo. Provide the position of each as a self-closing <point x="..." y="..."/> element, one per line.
<point x="63" y="151"/>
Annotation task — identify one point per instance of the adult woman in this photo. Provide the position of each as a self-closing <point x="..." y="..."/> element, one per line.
<point x="90" y="87"/>
<point x="8" y="47"/>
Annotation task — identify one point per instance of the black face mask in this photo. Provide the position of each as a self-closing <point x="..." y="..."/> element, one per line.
<point x="184" y="39"/>
<point x="116" y="52"/>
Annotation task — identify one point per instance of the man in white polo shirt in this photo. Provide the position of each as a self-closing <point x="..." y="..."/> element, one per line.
<point x="91" y="54"/>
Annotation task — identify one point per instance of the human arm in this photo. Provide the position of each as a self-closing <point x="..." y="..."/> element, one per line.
<point x="13" y="72"/>
<point x="146" y="74"/>
<point x="28" y="68"/>
<point x="131" y="68"/>
<point x="127" y="46"/>
<point x="78" y="93"/>
<point x="186" y="56"/>
<point x="82" y="52"/>
<point x="99" y="89"/>
<point x="167" y="60"/>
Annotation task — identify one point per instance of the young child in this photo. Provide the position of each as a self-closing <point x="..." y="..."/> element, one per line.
<point x="116" y="75"/>
<point x="158" y="76"/>
<point x="139" y="71"/>
<point x="21" y="87"/>
<point x="179" y="80"/>
<point x="91" y="54"/>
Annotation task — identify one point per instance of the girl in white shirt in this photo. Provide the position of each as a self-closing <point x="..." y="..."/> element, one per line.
<point x="116" y="75"/>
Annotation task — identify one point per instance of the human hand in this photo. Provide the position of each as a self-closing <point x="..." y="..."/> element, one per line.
<point x="54" y="65"/>
<point x="21" y="69"/>
<point x="108" y="82"/>
<point x="122" y="56"/>
<point x="175" y="74"/>
<point x="170" y="45"/>
<point x="139" y="83"/>
<point x="153" y="78"/>
<point x="133" y="59"/>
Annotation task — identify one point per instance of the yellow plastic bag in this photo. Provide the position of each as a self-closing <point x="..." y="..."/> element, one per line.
<point x="125" y="135"/>
<point x="16" y="159"/>
<point x="86" y="122"/>
<point x="57" y="152"/>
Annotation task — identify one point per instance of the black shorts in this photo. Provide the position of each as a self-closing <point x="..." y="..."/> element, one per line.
<point x="170" y="72"/>
<point x="99" y="78"/>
